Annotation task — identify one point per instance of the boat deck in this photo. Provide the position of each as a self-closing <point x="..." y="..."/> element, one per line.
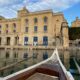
<point x="40" y="76"/>
<point x="46" y="71"/>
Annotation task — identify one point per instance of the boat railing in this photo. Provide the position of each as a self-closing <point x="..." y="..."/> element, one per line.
<point x="67" y="73"/>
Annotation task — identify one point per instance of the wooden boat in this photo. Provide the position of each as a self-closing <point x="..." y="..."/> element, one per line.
<point x="50" y="69"/>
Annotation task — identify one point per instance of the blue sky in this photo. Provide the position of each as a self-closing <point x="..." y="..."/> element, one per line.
<point x="70" y="8"/>
<point x="72" y="12"/>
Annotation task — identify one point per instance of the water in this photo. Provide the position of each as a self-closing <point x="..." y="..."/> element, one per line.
<point x="26" y="58"/>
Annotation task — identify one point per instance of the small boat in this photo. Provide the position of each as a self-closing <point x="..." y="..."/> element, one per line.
<point x="49" y="69"/>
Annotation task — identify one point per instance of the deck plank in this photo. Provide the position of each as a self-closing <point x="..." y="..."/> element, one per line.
<point x="40" y="76"/>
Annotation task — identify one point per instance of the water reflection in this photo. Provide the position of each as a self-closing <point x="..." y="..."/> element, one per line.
<point x="20" y="59"/>
<point x="45" y="55"/>
<point x="24" y="58"/>
<point x="67" y="57"/>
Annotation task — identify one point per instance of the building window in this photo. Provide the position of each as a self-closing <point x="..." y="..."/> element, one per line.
<point x="0" y="26"/>
<point x="0" y="29"/>
<point x="0" y="32"/>
<point x="35" y="28"/>
<point x="35" y="20"/>
<point x="6" y="31"/>
<point x="0" y="40"/>
<point x="45" y="28"/>
<point x="7" y="55"/>
<point x="7" y="26"/>
<point x="26" y="21"/>
<point x="17" y="40"/>
<point x="14" y="31"/>
<point x="35" y="41"/>
<point x="45" y="19"/>
<point x="14" y="25"/>
<point x="26" y="29"/>
<point x="25" y="40"/>
<point x="45" y="40"/>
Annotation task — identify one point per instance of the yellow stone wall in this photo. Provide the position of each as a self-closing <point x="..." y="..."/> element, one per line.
<point x="76" y="23"/>
<point x="54" y="26"/>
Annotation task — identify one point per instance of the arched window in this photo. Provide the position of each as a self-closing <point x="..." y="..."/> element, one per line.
<point x="7" y="25"/>
<point x="0" y="29"/>
<point x="14" y="27"/>
<point x="35" y="20"/>
<point x="0" y="40"/>
<point x="45" y="19"/>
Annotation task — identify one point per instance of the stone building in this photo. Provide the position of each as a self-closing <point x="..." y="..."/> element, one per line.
<point x="76" y="23"/>
<point x="42" y="28"/>
<point x="74" y="33"/>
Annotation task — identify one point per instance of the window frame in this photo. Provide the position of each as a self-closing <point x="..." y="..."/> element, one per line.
<point x="35" y="28"/>
<point x="26" y="29"/>
<point x="35" y="20"/>
<point x="45" y="19"/>
<point x="45" y="28"/>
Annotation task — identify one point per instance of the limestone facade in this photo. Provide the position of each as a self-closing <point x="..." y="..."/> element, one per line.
<point x="76" y="23"/>
<point x="42" y="28"/>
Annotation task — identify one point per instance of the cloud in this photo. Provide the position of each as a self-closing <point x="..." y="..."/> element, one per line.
<point x="9" y="2"/>
<point x="55" y="5"/>
<point x="11" y="6"/>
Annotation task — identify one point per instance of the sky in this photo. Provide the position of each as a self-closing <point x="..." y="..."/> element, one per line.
<point x="70" y="8"/>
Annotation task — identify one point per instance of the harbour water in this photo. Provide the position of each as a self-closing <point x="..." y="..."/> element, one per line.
<point x="15" y="60"/>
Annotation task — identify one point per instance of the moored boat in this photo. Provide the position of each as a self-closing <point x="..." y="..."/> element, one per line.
<point x="49" y="69"/>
